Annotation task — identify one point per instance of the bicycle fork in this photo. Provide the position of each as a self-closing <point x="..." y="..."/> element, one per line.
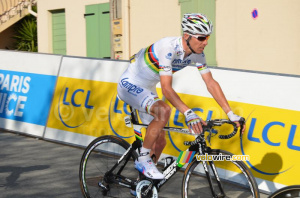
<point x="208" y="176"/>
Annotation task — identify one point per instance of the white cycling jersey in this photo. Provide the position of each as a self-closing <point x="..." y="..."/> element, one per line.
<point x="165" y="57"/>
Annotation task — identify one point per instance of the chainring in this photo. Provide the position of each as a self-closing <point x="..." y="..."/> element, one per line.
<point x="142" y="186"/>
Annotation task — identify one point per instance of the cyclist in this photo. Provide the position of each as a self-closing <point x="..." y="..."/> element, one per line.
<point x="157" y="63"/>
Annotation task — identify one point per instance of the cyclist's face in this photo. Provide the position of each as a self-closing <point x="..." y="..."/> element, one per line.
<point x="198" y="45"/>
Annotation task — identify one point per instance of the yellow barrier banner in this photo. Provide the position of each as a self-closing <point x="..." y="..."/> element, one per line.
<point x="271" y="139"/>
<point x="87" y="107"/>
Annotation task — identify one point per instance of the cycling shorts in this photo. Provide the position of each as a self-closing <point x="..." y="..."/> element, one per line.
<point x="138" y="96"/>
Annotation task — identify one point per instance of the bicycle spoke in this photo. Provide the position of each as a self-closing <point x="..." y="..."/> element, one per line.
<point x="99" y="158"/>
<point x="235" y="180"/>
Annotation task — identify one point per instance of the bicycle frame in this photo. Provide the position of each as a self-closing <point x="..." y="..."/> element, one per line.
<point x="199" y="145"/>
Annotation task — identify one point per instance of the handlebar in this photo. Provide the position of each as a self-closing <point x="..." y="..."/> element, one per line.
<point x="218" y="122"/>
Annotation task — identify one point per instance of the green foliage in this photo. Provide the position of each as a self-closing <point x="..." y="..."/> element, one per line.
<point x="26" y="34"/>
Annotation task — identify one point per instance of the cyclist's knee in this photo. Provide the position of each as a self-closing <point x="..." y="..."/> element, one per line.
<point x="161" y="110"/>
<point x="166" y="112"/>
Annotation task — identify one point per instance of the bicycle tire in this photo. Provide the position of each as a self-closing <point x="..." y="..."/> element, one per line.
<point x="288" y="191"/>
<point x="99" y="157"/>
<point x="236" y="182"/>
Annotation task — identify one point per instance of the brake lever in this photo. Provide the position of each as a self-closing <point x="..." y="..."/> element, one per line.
<point x="209" y="137"/>
<point x="242" y="123"/>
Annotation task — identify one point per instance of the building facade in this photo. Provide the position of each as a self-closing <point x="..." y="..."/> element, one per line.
<point x="255" y="35"/>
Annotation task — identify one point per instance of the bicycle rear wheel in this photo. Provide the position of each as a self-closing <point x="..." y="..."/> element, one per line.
<point x="287" y="192"/>
<point x="235" y="178"/>
<point x="98" y="158"/>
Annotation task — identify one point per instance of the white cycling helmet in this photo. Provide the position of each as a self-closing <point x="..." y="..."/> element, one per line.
<point x="196" y="23"/>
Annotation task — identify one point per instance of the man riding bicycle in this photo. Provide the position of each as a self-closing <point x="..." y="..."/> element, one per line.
<point x="157" y="63"/>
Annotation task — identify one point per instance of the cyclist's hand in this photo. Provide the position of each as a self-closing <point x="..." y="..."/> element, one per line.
<point x="194" y="121"/>
<point x="235" y="118"/>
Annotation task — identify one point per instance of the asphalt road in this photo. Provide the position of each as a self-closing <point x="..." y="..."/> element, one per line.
<point x="35" y="168"/>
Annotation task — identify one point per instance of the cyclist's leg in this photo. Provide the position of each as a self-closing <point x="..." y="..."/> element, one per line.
<point x="158" y="145"/>
<point x="161" y="113"/>
<point x="145" y="99"/>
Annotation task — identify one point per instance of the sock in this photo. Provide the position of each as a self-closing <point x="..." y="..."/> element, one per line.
<point x="145" y="154"/>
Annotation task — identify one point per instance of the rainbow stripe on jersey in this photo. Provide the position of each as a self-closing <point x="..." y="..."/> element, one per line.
<point x="201" y="67"/>
<point x="151" y="60"/>
<point x="147" y="108"/>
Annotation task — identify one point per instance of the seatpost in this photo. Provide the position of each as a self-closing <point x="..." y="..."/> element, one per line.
<point x="134" y="116"/>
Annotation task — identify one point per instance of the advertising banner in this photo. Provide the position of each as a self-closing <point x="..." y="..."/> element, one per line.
<point x="76" y="98"/>
<point x="85" y="106"/>
<point x="27" y="84"/>
<point x="82" y="107"/>
<point x="25" y="97"/>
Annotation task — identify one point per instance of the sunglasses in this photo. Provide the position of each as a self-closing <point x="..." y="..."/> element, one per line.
<point x="201" y="38"/>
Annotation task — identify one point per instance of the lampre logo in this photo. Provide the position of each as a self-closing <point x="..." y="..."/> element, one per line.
<point x="132" y="89"/>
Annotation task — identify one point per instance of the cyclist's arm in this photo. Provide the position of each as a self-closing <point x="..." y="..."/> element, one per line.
<point x="171" y="95"/>
<point x="174" y="99"/>
<point x="216" y="91"/>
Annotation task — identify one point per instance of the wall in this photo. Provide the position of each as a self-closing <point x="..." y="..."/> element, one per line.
<point x="75" y="24"/>
<point x="152" y="20"/>
<point x="268" y="43"/>
<point x="255" y="44"/>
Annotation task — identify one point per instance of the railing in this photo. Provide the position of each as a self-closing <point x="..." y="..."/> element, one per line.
<point x="10" y="8"/>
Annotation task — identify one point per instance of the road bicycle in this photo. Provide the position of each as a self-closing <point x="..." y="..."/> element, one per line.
<point x="107" y="167"/>
<point x="287" y="192"/>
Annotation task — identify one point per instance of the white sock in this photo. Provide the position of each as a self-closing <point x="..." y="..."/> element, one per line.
<point x="144" y="155"/>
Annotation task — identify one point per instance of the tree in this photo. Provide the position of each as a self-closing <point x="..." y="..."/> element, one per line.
<point x="26" y="34"/>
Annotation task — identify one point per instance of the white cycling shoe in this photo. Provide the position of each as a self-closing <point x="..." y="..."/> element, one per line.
<point x="149" y="169"/>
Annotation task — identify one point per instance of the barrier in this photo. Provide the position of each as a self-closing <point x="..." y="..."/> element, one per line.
<point x="27" y="83"/>
<point x="85" y="106"/>
<point x="81" y="104"/>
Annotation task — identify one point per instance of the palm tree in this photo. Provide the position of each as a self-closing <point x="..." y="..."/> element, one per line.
<point x="26" y="34"/>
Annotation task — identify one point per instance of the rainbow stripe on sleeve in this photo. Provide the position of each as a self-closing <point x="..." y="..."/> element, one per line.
<point x="151" y="60"/>
<point x="201" y="67"/>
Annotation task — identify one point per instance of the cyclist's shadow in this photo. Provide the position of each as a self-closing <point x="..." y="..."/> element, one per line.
<point x="270" y="167"/>
<point x="15" y="172"/>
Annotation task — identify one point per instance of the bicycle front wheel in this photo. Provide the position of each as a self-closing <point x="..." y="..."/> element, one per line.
<point x="288" y="191"/>
<point x="99" y="158"/>
<point x="235" y="179"/>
